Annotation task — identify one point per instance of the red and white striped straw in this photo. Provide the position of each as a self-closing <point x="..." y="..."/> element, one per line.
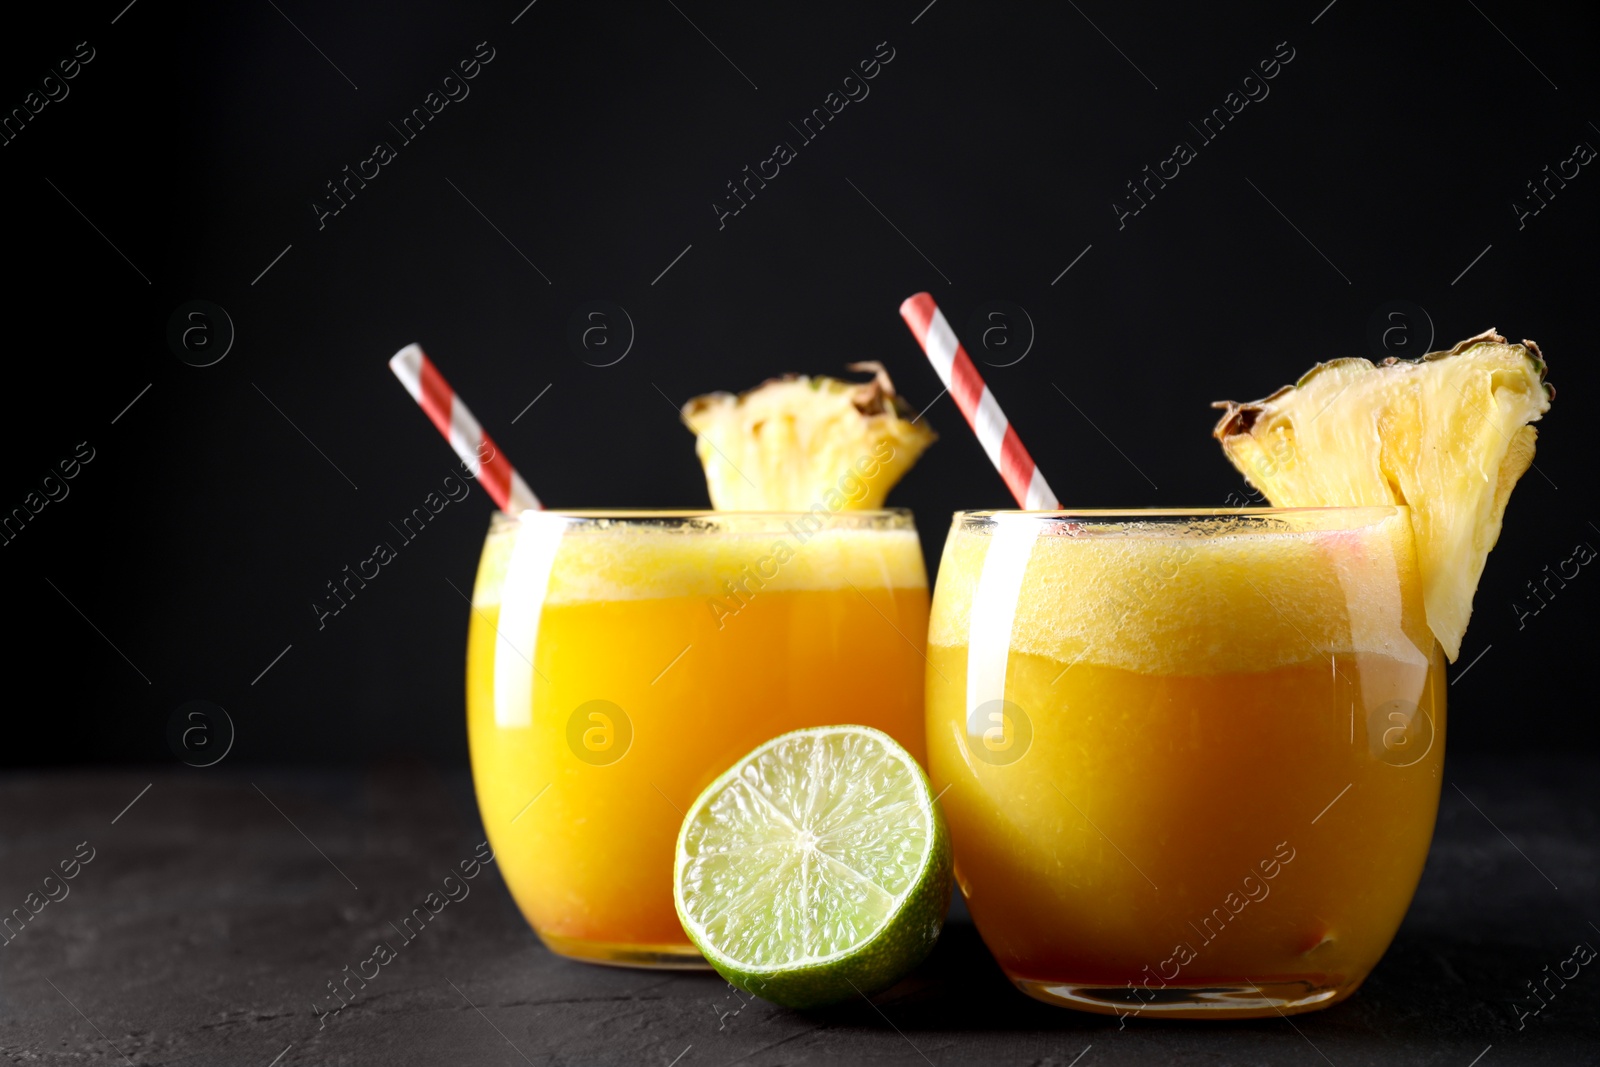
<point x="977" y="403"/>
<point x="479" y="454"/>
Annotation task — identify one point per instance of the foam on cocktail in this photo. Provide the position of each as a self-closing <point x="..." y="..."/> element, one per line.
<point x="1163" y="597"/>
<point x="599" y="563"/>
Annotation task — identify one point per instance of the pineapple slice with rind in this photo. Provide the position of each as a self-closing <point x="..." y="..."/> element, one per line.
<point x="795" y="442"/>
<point x="1448" y="435"/>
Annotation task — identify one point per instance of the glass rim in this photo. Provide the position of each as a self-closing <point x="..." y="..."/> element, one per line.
<point x="709" y="519"/>
<point x="1174" y="513"/>
<point x="1324" y="519"/>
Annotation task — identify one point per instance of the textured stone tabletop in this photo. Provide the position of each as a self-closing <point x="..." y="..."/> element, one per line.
<point x="206" y="920"/>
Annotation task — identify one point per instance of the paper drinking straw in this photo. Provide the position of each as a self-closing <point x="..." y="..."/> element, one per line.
<point x="977" y="403"/>
<point x="479" y="454"/>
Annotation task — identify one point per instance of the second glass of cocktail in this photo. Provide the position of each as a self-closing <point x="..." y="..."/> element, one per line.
<point x="619" y="661"/>
<point x="1190" y="760"/>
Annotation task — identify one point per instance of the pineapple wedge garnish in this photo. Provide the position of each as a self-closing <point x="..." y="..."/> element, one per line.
<point x="1448" y="435"/>
<point x="795" y="442"/>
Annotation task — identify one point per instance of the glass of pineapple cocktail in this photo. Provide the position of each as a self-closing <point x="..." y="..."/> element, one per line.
<point x="619" y="661"/>
<point x="1190" y="760"/>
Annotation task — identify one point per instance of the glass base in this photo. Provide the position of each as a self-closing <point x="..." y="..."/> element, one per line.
<point x="1252" y="1000"/>
<point x="621" y="954"/>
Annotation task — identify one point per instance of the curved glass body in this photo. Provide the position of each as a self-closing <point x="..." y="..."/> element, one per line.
<point x="618" y="662"/>
<point x="1191" y="760"/>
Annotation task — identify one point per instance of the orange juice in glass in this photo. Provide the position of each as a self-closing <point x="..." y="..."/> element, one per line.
<point x="1191" y="759"/>
<point x="617" y="662"/>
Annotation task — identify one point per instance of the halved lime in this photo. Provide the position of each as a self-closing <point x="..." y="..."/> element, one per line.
<point x="815" y="868"/>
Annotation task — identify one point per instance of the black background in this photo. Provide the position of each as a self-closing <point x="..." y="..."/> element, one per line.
<point x="190" y="149"/>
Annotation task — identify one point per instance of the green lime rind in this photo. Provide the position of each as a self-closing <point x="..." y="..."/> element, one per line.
<point x="903" y="935"/>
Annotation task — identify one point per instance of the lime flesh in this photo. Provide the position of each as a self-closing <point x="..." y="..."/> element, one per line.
<point x="816" y="868"/>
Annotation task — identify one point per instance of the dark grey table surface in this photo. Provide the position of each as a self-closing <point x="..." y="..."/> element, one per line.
<point x="218" y="907"/>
